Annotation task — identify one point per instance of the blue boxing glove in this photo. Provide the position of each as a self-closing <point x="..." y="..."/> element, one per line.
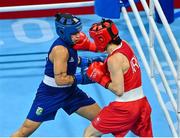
<point x="82" y="78"/>
<point x="85" y="61"/>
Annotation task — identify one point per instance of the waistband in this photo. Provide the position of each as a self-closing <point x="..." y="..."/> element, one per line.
<point x="131" y="95"/>
<point x="51" y="82"/>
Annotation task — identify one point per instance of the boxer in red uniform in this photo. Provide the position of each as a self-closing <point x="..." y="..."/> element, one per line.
<point x="121" y="74"/>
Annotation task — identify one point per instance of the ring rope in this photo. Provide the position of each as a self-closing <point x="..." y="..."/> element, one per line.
<point x="46" y="6"/>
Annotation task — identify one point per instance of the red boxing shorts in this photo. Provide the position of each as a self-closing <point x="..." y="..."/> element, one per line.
<point x="120" y="117"/>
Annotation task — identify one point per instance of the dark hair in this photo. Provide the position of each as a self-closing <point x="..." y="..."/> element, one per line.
<point x="116" y="41"/>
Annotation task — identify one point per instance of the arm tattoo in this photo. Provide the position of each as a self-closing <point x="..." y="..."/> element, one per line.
<point x="61" y="73"/>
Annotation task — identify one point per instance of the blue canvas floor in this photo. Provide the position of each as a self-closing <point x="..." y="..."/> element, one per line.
<point x="18" y="86"/>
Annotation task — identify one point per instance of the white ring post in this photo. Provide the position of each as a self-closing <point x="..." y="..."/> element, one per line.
<point x="151" y="37"/>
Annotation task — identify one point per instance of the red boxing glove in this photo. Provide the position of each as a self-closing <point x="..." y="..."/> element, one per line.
<point x="85" y="44"/>
<point x="96" y="72"/>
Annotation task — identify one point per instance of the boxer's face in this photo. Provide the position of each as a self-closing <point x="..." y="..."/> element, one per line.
<point x="75" y="37"/>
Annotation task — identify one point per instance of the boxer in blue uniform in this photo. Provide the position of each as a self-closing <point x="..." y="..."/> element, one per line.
<point x="59" y="87"/>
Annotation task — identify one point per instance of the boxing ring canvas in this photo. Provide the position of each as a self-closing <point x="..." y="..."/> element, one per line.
<point x="25" y="43"/>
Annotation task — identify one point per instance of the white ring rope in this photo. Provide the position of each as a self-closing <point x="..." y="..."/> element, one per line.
<point x="138" y="46"/>
<point x="167" y="27"/>
<point x="46" y="6"/>
<point x="160" y="40"/>
<point x="152" y="52"/>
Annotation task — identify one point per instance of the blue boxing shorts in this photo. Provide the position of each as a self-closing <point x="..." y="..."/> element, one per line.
<point x="49" y="99"/>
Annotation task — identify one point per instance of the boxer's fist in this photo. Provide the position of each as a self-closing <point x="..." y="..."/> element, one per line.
<point x="85" y="44"/>
<point x="97" y="73"/>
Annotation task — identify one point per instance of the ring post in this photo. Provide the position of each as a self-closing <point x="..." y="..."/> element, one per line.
<point x="107" y="8"/>
<point x="168" y="9"/>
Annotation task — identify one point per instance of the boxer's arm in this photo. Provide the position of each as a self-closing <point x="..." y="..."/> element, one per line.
<point x="115" y="67"/>
<point x="60" y="57"/>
